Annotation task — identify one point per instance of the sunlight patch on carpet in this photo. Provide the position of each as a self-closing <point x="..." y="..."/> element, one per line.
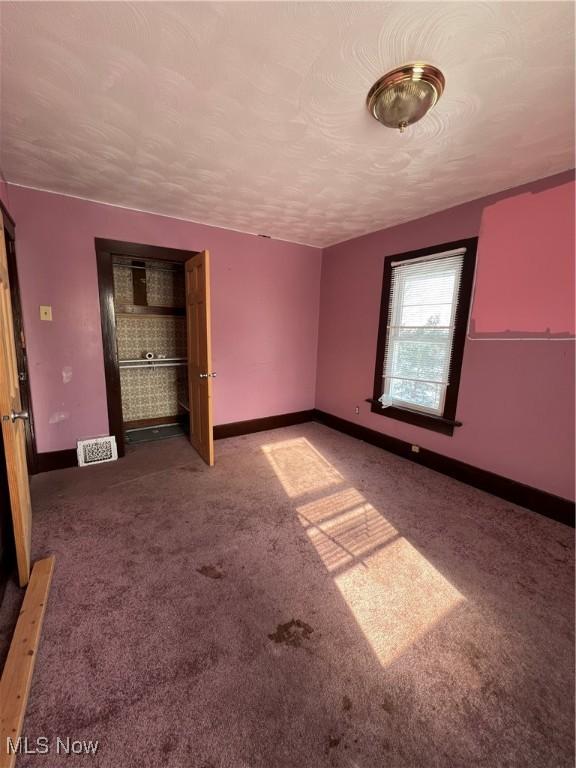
<point x="300" y="467"/>
<point x="343" y="527"/>
<point x="395" y="595"/>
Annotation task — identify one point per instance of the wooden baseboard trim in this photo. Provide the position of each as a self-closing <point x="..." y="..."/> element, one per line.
<point x="237" y="428"/>
<point x="547" y="504"/>
<point x="46" y="462"/>
<point x="17" y="674"/>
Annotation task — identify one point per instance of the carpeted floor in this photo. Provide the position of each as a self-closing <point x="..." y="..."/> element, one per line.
<point x="310" y="601"/>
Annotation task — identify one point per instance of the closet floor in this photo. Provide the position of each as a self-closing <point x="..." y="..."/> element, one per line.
<point x="147" y="434"/>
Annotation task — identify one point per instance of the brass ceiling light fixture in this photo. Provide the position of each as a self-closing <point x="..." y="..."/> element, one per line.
<point x="404" y="95"/>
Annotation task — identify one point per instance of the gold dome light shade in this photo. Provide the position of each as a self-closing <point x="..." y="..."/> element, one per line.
<point x="404" y="95"/>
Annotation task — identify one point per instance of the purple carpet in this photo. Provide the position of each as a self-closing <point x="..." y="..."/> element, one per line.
<point x="310" y="601"/>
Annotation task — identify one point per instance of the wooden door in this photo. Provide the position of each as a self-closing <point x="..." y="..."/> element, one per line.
<point x="13" y="426"/>
<point x="20" y="343"/>
<point x="200" y="374"/>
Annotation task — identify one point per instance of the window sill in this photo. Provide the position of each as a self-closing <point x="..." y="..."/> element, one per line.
<point x="424" y="420"/>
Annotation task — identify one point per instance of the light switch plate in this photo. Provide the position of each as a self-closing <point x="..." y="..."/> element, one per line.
<point x="45" y="313"/>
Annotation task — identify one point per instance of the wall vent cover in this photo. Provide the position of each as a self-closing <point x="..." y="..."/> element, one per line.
<point x="96" y="450"/>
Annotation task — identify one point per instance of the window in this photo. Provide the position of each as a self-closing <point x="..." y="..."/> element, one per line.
<point x="423" y="318"/>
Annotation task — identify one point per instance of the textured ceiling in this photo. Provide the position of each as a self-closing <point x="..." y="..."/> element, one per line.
<point x="251" y="115"/>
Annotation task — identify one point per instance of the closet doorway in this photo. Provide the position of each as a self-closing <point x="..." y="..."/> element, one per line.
<point x="155" y="314"/>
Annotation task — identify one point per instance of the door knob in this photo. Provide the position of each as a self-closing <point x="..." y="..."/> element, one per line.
<point x="19" y="415"/>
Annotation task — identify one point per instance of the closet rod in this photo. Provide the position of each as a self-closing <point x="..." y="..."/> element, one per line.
<point x="151" y="364"/>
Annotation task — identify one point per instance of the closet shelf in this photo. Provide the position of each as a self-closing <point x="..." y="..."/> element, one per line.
<point x="155" y="360"/>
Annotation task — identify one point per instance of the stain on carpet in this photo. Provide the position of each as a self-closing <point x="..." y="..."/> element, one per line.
<point x="388" y="706"/>
<point x="292" y="633"/>
<point x="211" y="572"/>
<point x="346" y="703"/>
<point x="169" y="745"/>
<point x="333" y="742"/>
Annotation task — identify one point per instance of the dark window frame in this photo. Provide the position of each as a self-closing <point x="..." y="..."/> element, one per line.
<point x="445" y="423"/>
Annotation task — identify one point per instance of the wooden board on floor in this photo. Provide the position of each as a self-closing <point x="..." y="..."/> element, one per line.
<point x="17" y="675"/>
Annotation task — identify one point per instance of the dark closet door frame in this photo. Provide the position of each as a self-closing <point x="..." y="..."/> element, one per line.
<point x="106" y="251"/>
<point x="20" y="340"/>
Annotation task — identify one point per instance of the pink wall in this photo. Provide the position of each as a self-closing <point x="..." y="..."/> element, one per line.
<point x="516" y="396"/>
<point x="265" y="301"/>
<point x="526" y="265"/>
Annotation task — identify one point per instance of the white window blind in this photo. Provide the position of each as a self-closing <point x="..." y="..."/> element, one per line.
<point x="420" y="331"/>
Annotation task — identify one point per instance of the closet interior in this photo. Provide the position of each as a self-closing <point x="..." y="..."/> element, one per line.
<point x="150" y="310"/>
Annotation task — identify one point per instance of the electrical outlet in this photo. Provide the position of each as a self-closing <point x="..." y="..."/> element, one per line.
<point x="45" y="313"/>
<point x="415" y="448"/>
<point x="357" y="410"/>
